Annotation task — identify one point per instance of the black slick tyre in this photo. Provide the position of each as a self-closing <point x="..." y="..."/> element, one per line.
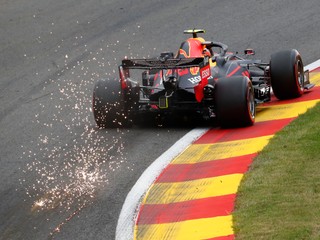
<point x="287" y="74"/>
<point x="109" y="106"/>
<point x="235" y="103"/>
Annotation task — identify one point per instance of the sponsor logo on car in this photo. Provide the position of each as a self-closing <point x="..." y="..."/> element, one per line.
<point x="205" y="73"/>
<point x="194" y="80"/>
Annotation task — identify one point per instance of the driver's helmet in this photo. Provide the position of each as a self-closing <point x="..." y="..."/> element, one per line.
<point x="206" y="52"/>
<point x="192" y="47"/>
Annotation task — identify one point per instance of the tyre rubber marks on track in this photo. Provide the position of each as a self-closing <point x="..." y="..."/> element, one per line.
<point x="193" y="197"/>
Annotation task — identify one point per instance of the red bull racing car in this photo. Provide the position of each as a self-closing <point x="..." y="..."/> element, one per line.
<point x="202" y="78"/>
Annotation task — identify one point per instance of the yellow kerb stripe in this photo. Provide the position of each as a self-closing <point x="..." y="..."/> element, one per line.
<point x="315" y="78"/>
<point x="165" y="193"/>
<point x="206" y="152"/>
<point x="283" y="111"/>
<point x="204" y="228"/>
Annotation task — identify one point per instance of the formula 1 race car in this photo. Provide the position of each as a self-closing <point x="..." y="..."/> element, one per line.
<point x="198" y="80"/>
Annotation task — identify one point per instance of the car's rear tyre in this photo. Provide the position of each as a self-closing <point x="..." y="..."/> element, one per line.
<point x="110" y="108"/>
<point x="235" y="102"/>
<point x="287" y="75"/>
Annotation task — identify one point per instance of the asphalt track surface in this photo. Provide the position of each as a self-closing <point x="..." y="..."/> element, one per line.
<point x="60" y="176"/>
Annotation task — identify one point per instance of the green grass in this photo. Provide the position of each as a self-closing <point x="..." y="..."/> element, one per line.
<point x="279" y="197"/>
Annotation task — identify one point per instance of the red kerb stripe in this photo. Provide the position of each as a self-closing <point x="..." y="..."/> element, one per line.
<point x="214" y="168"/>
<point x="189" y="210"/>
<point x="230" y="237"/>
<point x="312" y="94"/>
<point x="259" y="129"/>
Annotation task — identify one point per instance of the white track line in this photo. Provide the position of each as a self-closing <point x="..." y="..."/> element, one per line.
<point x="130" y="208"/>
<point x="126" y="221"/>
<point x="313" y="65"/>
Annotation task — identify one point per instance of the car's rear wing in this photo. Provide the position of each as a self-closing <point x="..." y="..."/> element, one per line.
<point x="171" y="63"/>
<point x="162" y="64"/>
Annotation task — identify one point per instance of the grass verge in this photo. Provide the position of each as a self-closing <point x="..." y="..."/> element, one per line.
<point x="279" y="197"/>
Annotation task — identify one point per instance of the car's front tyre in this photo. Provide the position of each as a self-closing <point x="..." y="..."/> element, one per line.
<point x="287" y="74"/>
